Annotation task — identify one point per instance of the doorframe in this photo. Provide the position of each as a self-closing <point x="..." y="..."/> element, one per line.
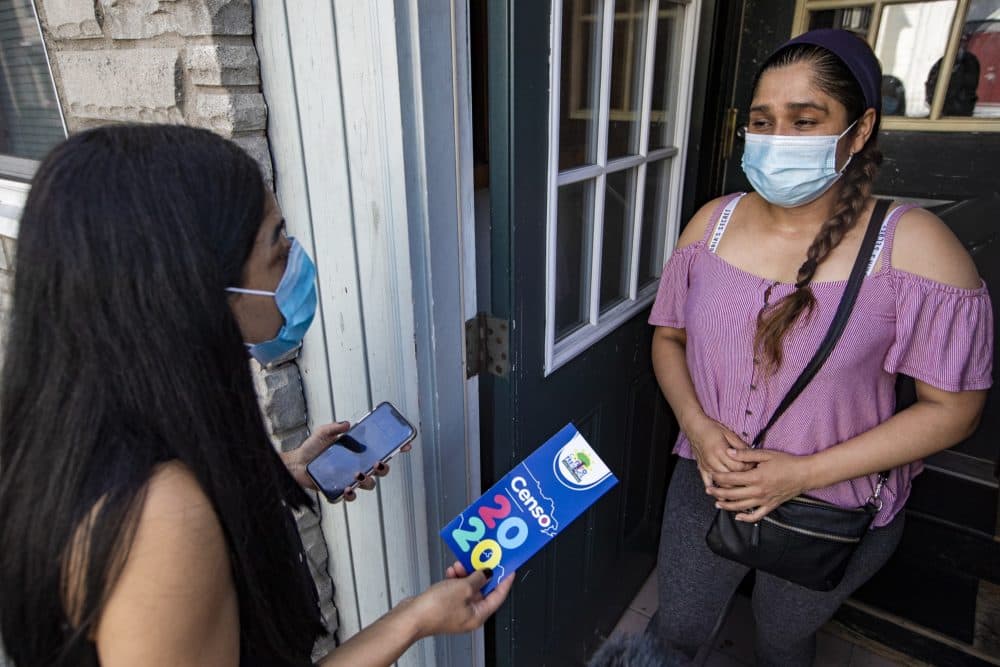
<point x="367" y="103"/>
<point x="435" y="74"/>
<point x="719" y="44"/>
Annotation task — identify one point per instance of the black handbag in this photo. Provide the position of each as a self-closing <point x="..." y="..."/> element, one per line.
<point x="804" y="540"/>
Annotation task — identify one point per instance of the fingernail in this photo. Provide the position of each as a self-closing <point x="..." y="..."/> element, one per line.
<point x="718" y="506"/>
<point x="732" y="451"/>
<point x="360" y="477"/>
<point x="488" y="572"/>
<point x="380" y="467"/>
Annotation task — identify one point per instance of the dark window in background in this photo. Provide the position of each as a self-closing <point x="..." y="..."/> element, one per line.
<point x="912" y="39"/>
<point x="30" y="121"/>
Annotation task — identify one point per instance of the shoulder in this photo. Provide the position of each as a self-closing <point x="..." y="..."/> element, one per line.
<point x="175" y="512"/>
<point x="174" y="597"/>
<point x="923" y="245"/>
<point x="172" y="487"/>
<point x="697" y="226"/>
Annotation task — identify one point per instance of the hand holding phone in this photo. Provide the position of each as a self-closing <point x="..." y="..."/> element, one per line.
<point x="374" y="439"/>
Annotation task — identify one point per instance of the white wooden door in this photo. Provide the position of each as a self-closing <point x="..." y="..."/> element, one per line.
<point x="374" y="176"/>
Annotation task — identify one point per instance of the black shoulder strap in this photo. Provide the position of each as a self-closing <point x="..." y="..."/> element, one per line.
<point x="839" y="319"/>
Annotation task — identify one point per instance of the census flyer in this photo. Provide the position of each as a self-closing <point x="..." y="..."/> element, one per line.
<point x="529" y="506"/>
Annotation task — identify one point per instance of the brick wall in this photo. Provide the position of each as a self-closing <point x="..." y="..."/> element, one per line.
<point x="179" y="61"/>
<point x="191" y="62"/>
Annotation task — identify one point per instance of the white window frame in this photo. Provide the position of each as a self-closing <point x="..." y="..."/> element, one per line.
<point x="599" y="325"/>
<point x="13" y="194"/>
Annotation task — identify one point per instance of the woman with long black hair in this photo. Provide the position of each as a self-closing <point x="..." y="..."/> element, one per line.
<point x="143" y="511"/>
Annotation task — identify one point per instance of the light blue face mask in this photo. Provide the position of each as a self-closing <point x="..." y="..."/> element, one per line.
<point x="792" y="171"/>
<point x="295" y="298"/>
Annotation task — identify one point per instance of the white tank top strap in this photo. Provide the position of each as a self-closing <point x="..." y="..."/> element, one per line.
<point x="724" y="217"/>
<point x="888" y="223"/>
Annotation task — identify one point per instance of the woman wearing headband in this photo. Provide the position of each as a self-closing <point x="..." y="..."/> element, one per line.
<point x="742" y="306"/>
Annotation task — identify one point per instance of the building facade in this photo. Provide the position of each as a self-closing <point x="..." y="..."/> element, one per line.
<point x="520" y="169"/>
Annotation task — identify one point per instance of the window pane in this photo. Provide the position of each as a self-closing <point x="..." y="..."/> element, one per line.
<point x="627" y="77"/>
<point x="580" y="75"/>
<point x="666" y="55"/>
<point x="30" y="123"/>
<point x="982" y="32"/>
<point x="654" y="221"/>
<point x="911" y="41"/>
<point x="855" y="19"/>
<point x="573" y="247"/>
<point x="616" y="247"/>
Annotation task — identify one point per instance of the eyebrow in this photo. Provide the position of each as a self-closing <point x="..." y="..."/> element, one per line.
<point x="276" y="234"/>
<point x="795" y="106"/>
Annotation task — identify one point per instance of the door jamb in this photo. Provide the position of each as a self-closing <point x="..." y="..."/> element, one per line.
<point x="434" y="67"/>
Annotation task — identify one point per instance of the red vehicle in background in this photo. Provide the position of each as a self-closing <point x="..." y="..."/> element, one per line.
<point x="984" y="43"/>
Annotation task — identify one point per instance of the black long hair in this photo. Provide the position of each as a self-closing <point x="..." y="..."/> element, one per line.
<point x="123" y="354"/>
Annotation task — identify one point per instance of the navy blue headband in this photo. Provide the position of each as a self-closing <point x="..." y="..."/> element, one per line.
<point x="853" y="52"/>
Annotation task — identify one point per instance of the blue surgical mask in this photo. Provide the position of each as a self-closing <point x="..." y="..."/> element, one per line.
<point x="792" y="171"/>
<point x="295" y="298"/>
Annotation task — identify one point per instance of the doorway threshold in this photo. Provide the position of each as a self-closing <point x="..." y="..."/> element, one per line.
<point x="734" y="644"/>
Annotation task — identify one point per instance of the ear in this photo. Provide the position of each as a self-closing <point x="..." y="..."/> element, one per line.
<point x="863" y="130"/>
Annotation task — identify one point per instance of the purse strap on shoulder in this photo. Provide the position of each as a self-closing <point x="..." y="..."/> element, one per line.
<point x="843" y="313"/>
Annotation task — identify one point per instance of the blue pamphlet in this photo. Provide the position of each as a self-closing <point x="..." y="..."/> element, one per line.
<point x="529" y="506"/>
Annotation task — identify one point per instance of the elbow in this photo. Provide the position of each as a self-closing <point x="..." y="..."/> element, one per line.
<point x="957" y="414"/>
<point x="968" y="420"/>
<point x="972" y="424"/>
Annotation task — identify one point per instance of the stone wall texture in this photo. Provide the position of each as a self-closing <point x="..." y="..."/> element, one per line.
<point x="166" y="61"/>
<point x="190" y="62"/>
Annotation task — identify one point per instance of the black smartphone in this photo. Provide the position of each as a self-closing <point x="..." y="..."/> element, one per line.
<point x="373" y="439"/>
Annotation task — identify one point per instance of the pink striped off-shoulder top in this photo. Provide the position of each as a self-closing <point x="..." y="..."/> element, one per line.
<point x="901" y="323"/>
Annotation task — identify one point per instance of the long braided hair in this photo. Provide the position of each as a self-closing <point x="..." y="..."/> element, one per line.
<point x="832" y="77"/>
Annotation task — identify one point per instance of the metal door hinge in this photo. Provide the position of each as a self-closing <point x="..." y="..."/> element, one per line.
<point x="487" y="346"/>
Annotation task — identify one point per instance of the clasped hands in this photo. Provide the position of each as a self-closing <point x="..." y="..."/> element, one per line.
<point x="751" y="482"/>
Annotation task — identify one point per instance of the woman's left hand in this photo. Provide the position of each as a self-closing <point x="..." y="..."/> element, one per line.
<point x="317" y="443"/>
<point x="775" y="478"/>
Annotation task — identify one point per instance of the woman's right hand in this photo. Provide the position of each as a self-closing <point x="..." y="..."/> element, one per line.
<point x="710" y="442"/>
<point x="455" y="604"/>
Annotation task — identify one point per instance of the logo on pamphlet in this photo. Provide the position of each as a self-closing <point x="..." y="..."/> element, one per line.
<point x="577" y="466"/>
<point x="577" y="463"/>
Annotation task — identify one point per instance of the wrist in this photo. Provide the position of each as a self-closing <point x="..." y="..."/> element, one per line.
<point x="811" y="472"/>
<point x="408" y="618"/>
<point x="692" y="422"/>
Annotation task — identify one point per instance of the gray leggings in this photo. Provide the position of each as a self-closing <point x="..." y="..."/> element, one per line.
<point x="695" y="583"/>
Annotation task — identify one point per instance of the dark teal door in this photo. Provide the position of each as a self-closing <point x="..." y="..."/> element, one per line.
<point x="574" y="264"/>
<point x="941" y="156"/>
